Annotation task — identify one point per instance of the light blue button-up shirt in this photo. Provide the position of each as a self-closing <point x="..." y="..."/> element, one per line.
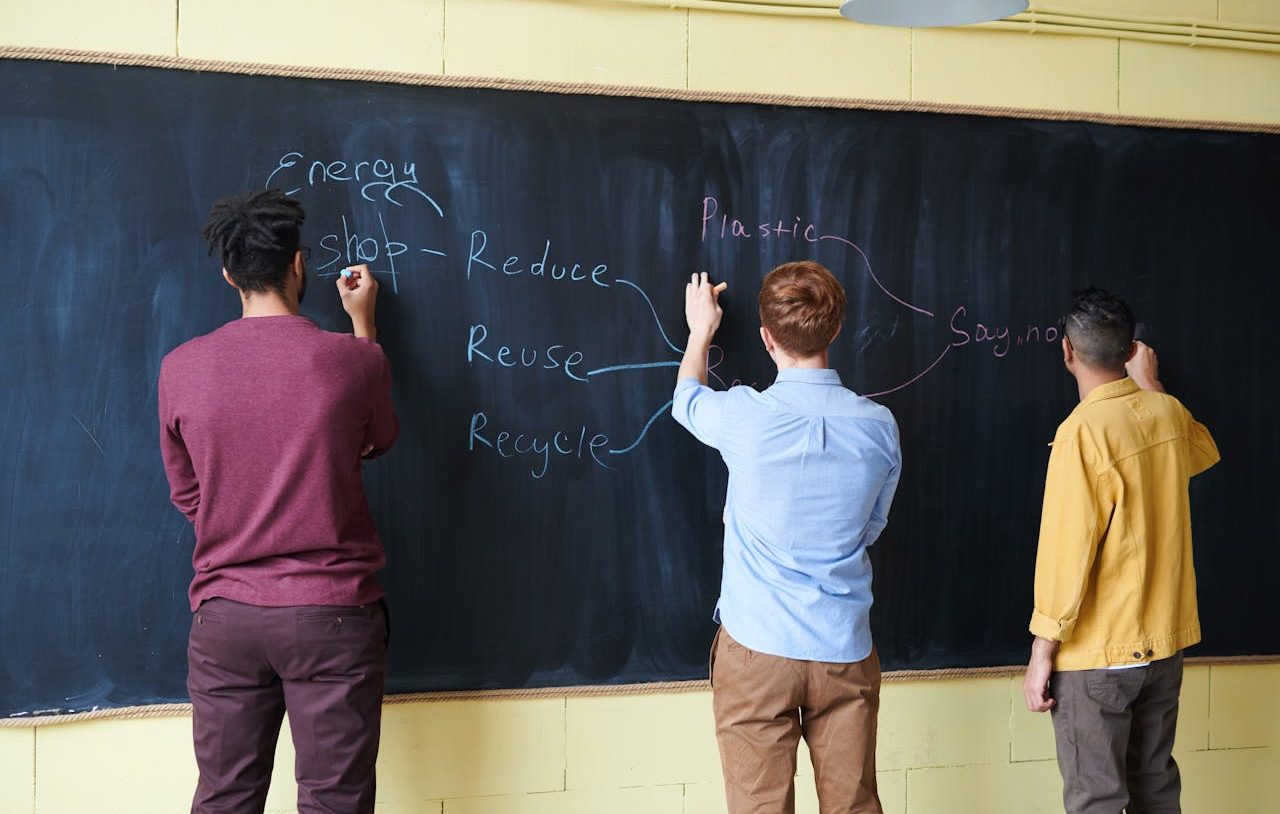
<point x="812" y="470"/>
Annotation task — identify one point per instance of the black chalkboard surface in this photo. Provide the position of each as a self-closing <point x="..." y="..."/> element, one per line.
<point x="546" y="522"/>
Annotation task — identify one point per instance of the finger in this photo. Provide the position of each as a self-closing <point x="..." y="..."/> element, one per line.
<point x="703" y="281"/>
<point x="693" y="279"/>
<point x="719" y="287"/>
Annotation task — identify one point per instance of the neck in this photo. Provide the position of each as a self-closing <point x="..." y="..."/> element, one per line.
<point x="818" y="361"/>
<point x="1089" y="379"/>
<point x="267" y="304"/>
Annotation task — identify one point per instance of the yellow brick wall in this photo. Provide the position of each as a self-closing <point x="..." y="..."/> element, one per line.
<point x="947" y="747"/>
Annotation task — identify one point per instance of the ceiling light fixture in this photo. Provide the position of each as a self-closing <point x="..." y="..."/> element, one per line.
<point x="929" y="13"/>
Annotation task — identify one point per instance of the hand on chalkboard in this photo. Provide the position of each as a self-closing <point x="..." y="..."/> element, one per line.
<point x="702" y="306"/>
<point x="359" y="292"/>
<point x="1143" y="367"/>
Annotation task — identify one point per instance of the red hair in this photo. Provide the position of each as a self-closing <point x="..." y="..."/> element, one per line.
<point x="802" y="306"/>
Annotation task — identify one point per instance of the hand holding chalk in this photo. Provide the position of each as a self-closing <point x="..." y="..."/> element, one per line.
<point x="1143" y="367"/>
<point x="359" y="292"/>
<point x="702" y="305"/>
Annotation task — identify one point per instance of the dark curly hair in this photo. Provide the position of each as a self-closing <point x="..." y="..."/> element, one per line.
<point x="256" y="235"/>
<point x="1100" y="326"/>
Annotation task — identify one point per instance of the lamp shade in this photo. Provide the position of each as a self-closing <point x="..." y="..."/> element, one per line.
<point x="926" y="13"/>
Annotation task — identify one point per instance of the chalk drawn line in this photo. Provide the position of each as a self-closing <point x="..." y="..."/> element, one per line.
<point x="654" y="312"/>
<point x="874" y="278"/>
<point x="915" y="379"/>
<point x="92" y="437"/>
<point x="644" y="431"/>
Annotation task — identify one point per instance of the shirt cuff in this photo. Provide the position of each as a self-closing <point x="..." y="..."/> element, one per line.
<point x="1047" y="627"/>
<point x="685" y="384"/>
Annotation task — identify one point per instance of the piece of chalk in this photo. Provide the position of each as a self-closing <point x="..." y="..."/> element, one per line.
<point x="720" y="287"/>
<point x="346" y="273"/>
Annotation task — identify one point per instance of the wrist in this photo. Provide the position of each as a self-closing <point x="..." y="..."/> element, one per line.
<point x="701" y="336"/>
<point x="1042" y="648"/>
<point x="364" y="327"/>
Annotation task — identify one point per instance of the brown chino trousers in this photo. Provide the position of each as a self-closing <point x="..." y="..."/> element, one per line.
<point x="763" y="706"/>
<point x="1114" y="731"/>
<point x="248" y="664"/>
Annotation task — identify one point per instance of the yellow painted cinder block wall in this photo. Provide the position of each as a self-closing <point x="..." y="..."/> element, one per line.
<point x="963" y="746"/>
<point x="956" y="746"/>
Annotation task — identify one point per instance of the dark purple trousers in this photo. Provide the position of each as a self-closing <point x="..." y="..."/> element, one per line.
<point x="247" y="665"/>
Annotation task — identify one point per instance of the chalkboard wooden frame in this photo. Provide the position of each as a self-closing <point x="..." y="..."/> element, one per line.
<point x="651" y="93"/>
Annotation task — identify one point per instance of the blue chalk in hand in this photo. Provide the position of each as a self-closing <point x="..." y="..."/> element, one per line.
<point x="346" y="273"/>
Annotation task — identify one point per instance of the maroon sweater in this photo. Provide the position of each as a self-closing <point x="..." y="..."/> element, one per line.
<point x="261" y="427"/>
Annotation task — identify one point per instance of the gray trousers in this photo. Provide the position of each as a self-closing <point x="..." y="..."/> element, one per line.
<point x="1114" y="731"/>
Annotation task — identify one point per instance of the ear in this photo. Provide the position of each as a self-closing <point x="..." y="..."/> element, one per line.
<point x="834" y="336"/>
<point x="298" y="269"/>
<point x="1133" y="349"/>
<point x="767" y="339"/>
<point x="230" y="282"/>
<point x="1068" y="352"/>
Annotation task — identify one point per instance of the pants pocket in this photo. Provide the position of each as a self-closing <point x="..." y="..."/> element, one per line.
<point x="1114" y="690"/>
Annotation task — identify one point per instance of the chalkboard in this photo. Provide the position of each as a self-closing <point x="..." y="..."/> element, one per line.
<point x="584" y="545"/>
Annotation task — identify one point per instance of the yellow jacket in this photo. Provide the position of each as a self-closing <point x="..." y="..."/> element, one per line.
<point x="1115" y="582"/>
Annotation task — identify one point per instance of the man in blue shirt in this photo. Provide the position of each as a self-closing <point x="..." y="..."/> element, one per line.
<point x="812" y="471"/>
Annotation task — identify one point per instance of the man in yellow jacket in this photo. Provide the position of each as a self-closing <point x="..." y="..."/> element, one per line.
<point x="1115" y="585"/>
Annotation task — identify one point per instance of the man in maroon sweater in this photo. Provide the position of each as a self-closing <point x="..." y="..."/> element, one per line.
<point x="263" y="425"/>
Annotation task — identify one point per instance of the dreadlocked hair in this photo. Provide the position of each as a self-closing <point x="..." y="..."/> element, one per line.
<point x="1100" y="326"/>
<point x="256" y="235"/>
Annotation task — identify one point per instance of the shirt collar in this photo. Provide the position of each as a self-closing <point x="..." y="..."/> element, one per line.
<point x="1111" y="390"/>
<point x="809" y="375"/>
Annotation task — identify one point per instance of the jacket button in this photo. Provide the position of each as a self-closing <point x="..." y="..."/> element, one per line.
<point x="1150" y="653"/>
<point x="1137" y="655"/>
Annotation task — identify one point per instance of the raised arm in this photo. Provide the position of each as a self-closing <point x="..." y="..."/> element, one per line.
<point x="702" y="311"/>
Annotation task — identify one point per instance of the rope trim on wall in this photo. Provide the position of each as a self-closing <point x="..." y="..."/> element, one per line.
<point x="596" y="691"/>
<point x="581" y="88"/>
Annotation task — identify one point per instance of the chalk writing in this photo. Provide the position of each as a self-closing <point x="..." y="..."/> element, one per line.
<point x="513" y="266"/>
<point x="726" y="227"/>
<point x="578" y="443"/>
<point x="552" y="357"/>
<point x="999" y="338"/>
<point x="389" y="179"/>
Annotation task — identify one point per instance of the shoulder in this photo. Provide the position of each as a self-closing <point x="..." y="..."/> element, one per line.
<point x="873" y="410"/>
<point x="1166" y="403"/>
<point x="740" y="393"/>
<point x="851" y="405"/>
<point x="189" y="352"/>
<point x="1073" y="430"/>
<point x="353" y="349"/>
